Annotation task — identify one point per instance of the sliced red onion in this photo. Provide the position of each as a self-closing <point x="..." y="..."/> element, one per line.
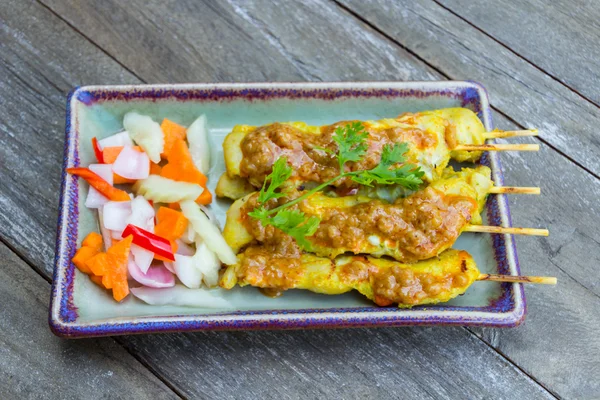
<point x="142" y="257"/>
<point x="116" y="214"/>
<point x="118" y="139"/>
<point x="184" y="249"/>
<point x="94" y="199"/>
<point x="156" y="277"/>
<point x="187" y="273"/>
<point x="142" y="214"/>
<point x="179" y="295"/>
<point x="132" y="164"/>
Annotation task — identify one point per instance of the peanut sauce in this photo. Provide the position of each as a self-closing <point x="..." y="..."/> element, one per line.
<point x="420" y="226"/>
<point x="263" y="146"/>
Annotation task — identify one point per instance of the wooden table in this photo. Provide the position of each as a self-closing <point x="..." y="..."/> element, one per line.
<point x="538" y="59"/>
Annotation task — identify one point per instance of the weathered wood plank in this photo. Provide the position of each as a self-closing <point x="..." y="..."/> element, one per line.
<point x="558" y="342"/>
<point x="415" y="363"/>
<point x="239" y="41"/>
<point x="559" y="37"/>
<point x="524" y="93"/>
<point x="183" y="363"/>
<point x="42" y="59"/>
<point x="34" y="364"/>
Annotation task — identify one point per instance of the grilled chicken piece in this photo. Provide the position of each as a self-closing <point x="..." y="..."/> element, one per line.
<point x="413" y="228"/>
<point x="383" y="281"/>
<point x="250" y="152"/>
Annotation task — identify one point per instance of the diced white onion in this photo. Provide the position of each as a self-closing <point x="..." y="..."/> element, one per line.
<point x="106" y="236"/>
<point x="132" y="164"/>
<point x="208" y="263"/>
<point x="187" y="273"/>
<point x="197" y="136"/>
<point x="115" y="215"/>
<point x="118" y="139"/>
<point x="142" y="214"/>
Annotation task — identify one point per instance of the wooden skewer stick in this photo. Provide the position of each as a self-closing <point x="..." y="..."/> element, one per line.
<point x="496" y="147"/>
<point x="543" y="280"/>
<point x="510" y="231"/>
<point x="505" y="134"/>
<point x="514" y="190"/>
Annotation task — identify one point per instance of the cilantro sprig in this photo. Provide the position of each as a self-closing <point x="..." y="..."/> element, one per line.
<point x="351" y="141"/>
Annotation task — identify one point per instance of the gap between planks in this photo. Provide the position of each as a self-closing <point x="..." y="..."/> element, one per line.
<point x="448" y="77"/>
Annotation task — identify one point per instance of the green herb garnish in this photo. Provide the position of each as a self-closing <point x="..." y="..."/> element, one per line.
<point x="352" y="146"/>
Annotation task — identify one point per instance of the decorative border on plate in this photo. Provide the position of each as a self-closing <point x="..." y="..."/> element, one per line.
<point x="506" y="311"/>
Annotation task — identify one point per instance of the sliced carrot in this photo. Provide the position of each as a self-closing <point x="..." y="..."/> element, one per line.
<point x="155" y="169"/>
<point x="110" y="154"/>
<point x="205" y="198"/>
<point x="91" y="245"/>
<point x="97" y="280"/>
<point x="174" y="206"/>
<point x="171" y="131"/>
<point x="112" y="267"/>
<point x="181" y="168"/>
<point x="82" y="256"/>
<point x="170" y="224"/>
<point x="94" y="240"/>
<point x="95" y="181"/>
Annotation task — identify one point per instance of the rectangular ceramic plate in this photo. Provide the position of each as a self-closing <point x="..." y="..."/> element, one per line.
<point x="79" y="308"/>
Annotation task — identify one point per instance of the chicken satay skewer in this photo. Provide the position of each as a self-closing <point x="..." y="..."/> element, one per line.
<point x="513" y="190"/>
<point x="507" y="134"/>
<point x="383" y="281"/>
<point x="496" y="147"/>
<point x="506" y="230"/>
<point x="541" y="280"/>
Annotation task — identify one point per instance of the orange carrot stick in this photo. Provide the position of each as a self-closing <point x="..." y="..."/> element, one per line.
<point x="171" y="132"/>
<point x="109" y="191"/>
<point x="112" y="267"/>
<point x="181" y="168"/>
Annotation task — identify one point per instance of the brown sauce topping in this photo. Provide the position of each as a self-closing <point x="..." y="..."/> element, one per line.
<point x="419" y="226"/>
<point x="263" y="146"/>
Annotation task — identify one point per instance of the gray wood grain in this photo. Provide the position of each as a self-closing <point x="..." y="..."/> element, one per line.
<point x="239" y="41"/>
<point x="415" y="363"/>
<point x="519" y="90"/>
<point x="558" y="342"/>
<point x="414" y="359"/>
<point x="41" y="60"/>
<point x="34" y="364"/>
<point x="559" y="37"/>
